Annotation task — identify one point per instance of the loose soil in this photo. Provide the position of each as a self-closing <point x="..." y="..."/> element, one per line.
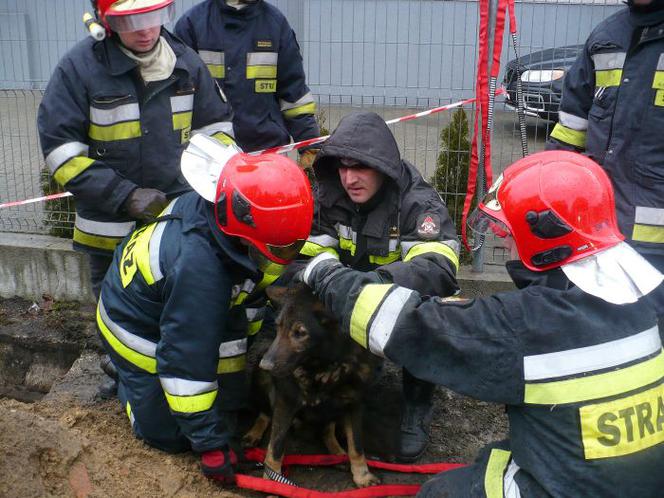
<point x="70" y="443"/>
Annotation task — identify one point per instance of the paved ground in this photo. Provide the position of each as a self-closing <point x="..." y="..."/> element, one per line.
<point x="21" y="161"/>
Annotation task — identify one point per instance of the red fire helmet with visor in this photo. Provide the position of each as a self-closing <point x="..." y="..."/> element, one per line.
<point x="124" y="16"/>
<point x="558" y="206"/>
<point x="267" y="201"/>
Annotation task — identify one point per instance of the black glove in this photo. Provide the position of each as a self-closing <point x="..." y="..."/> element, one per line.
<point x="219" y="465"/>
<point x="292" y="273"/>
<point x="145" y="204"/>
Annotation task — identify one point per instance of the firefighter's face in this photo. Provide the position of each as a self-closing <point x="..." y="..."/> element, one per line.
<point x="140" y="41"/>
<point x="360" y="183"/>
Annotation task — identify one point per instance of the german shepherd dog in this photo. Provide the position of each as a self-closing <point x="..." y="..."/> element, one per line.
<point x="317" y="373"/>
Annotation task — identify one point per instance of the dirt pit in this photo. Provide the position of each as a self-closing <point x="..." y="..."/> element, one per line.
<point x="62" y="440"/>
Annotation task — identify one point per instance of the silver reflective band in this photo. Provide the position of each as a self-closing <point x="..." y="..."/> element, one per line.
<point x="603" y="62"/>
<point x="386" y="317"/>
<point x="324" y="241"/>
<point x="185" y="387"/>
<point x="247" y="286"/>
<point x="255" y="314"/>
<point x="346" y="232"/>
<point x="324" y="256"/>
<point x="306" y="99"/>
<point x="210" y="57"/>
<point x="510" y="486"/>
<point x="130" y="340"/>
<point x="572" y="121"/>
<point x="182" y="103"/>
<point x="105" y="228"/>
<point x="64" y="153"/>
<point x="233" y="348"/>
<point x="262" y="58"/>
<point x="649" y="216"/>
<point x="154" y="246"/>
<point x="220" y="126"/>
<point x="407" y="246"/>
<point x="119" y="114"/>
<point x="592" y="358"/>
<point x="660" y="63"/>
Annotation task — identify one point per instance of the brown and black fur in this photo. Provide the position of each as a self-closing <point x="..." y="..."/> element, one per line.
<point x="315" y="373"/>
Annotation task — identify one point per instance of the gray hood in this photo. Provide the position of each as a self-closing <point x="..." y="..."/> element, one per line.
<point x="362" y="136"/>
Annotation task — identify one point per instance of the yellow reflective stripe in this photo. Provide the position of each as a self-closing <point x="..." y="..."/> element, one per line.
<point x="347" y="245"/>
<point x="97" y="241"/>
<point x="596" y="386"/>
<point x="120" y="131"/>
<point x="659" y="98"/>
<point x="648" y="233"/>
<point x="254" y="327"/>
<point x="433" y="247"/>
<point x="72" y="168"/>
<point x="495" y="473"/>
<point x="231" y="365"/>
<point x="191" y="404"/>
<point x="128" y="410"/>
<point x="182" y="120"/>
<point x="569" y="136"/>
<point x="217" y="70"/>
<point x="147" y="363"/>
<point x="309" y="108"/>
<point x="264" y="72"/>
<point x="611" y="77"/>
<point x="223" y="138"/>
<point x="623" y="426"/>
<point x="385" y="260"/>
<point x="366" y="305"/>
<point x="136" y="256"/>
<point x="312" y="249"/>
<point x="658" y="80"/>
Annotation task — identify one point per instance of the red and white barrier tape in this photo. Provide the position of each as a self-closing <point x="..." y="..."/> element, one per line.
<point x="282" y="149"/>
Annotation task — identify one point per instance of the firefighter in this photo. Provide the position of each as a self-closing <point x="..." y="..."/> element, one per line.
<point x="115" y="118"/>
<point x="612" y="109"/>
<point x="376" y="212"/>
<point x="251" y="51"/>
<point x="171" y="310"/>
<point x="573" y="352"/>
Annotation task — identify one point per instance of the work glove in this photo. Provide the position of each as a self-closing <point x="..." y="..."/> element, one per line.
<point x="219" y="465"/>
<point x="306" y="159"/>
<point x="145" y="204"/>
<point x="307" y="274"/>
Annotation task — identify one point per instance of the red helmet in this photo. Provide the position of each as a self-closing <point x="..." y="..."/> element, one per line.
<point x="134" y="15"/>
<point x="266" y="200"/>
<point x="557" y="205"/>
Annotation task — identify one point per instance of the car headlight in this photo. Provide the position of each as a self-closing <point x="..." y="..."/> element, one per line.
<point x="542" y="76"/>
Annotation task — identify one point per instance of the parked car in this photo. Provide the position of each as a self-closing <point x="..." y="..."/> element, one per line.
<point x="541" y="76"/>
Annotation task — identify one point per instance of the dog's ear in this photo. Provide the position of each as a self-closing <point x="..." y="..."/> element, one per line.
<point x="322" y="315"/>
<point x="276" y="294"/>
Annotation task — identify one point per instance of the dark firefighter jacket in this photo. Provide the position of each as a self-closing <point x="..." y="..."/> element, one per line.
<point x="104" y="133"/>
<point x="255" y="57"/>
<point x="174" y="304"/>
<point x="613" y="109"/>
<point x="405" y="230"/>
<point x="583" y="379"/>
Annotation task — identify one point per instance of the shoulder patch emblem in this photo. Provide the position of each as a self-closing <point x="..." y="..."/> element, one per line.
<point x="263" y="44"/>
<point x="428" y="226"/>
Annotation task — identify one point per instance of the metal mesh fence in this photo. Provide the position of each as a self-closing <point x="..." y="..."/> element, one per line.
<point x="394" y="57"/>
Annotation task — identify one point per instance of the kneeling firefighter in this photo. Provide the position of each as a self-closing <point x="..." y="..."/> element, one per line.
<point x="172" y="310"/>
<point x="575" y="352"/>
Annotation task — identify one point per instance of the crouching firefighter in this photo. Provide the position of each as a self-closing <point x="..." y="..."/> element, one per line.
<point x="377" y="213"/>
<point x="574" y="352"/>
<point x="171" y="311"/>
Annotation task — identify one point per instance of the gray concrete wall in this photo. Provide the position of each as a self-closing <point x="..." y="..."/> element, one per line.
<point x="34" y="265"/>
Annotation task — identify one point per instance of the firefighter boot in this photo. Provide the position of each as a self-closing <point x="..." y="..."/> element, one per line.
<point x="416" y="412"/>
<point x="108" y="387"/>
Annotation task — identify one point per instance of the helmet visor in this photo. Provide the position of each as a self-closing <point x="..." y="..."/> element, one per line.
<point x="480" y="224"/>
<point x="124" y="22"/>
<point x="287" y="252"/>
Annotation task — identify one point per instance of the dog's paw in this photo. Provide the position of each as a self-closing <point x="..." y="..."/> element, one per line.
<point x="365" y="478"/>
